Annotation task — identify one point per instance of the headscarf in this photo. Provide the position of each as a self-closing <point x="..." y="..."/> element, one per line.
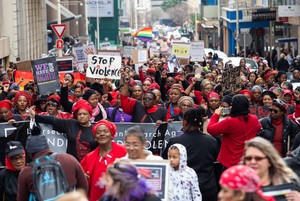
<point x="111" y="127"/>
<point x="82" y="104"/>
<point x="246" y="92"/>
<point x="258" y="80"/>
<point x="22" y="93"/>
<point x="88" y="93"/>
<point x="267" y="75"/>
<point x="240" y="105"/>
<point x="6" y="104"/>
<point x="55" y="98"/>
<point x="212" y="95"/>
<point x="243" y="178"/>
<point x="185" y="98"/>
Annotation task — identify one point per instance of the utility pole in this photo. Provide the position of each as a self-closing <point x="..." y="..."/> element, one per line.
<point x="59" y="51"/>
<point x="98" y="28"/>
<point x="219" y="26"/>
<point x="237" y="27"/>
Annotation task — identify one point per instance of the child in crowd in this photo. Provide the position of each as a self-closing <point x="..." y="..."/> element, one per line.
<point x="184" y="181"/>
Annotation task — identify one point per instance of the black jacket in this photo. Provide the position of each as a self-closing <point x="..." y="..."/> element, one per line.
<point x="293" y="161"/>
<point x="8" y="185"/>
<point x="290" y="128"/>
<point x="202" y="152"/>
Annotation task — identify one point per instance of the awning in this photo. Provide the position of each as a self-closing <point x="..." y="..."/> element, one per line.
<point x="64" y="11"/>
<point x="286" y="40"/>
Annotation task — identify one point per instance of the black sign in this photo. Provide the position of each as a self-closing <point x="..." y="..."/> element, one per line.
<point x="45" y="74"/>
<point x="278" y="28"/>
<point x="65" y="64"/>
<point x="264" y="16"/>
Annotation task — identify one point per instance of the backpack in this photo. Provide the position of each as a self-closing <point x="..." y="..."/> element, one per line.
<point x="49" y="179"/>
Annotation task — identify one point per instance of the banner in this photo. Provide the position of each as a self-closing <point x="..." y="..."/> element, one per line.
<point x="65" y="64"/>
<point x="45" y="74"/>
<point x="181" y="50"/>
<point x="104" y="66"/>
<point x="57" y="141"/>
<point x="197" y="51"/>
<point x="28" y="76"/>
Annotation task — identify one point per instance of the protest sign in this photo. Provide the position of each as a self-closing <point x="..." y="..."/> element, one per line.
<point x="153" y="49"/>
<point x="197" y="51"/>
<point x="81" y="55"/>
<point x="24" y="65"/>
<point x="172" y="63"/>
<point x="101" y="66"/>
<point x="181" y="50"/>
<point x="140" y="56"/>
<point x="231" y="79"/>
<point x="45" y="74"/>
<point x="127" y="51"/>
<point x="259" y="111"/>
<point x="65" y="64"/>
<point x="156" y="173"/>
<point x="105" y="46"/>
<point x="57" y="141"/>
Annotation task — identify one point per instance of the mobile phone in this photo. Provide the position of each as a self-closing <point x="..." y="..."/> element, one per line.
<point x="198" y="74"/>
<point x="225" y="111"/>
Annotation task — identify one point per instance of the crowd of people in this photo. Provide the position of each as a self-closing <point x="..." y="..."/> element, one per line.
<point x="234" y="145"/>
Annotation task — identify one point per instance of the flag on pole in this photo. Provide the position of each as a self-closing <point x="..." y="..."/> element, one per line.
<point x="144" y="34"/>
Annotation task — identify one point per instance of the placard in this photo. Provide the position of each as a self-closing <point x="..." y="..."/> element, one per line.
<point x="81" y="55"/>
<point x="24" y="65"/>
<point x="181" y="50"/>
<point x="172" y="63"/>
<point x="197" y="51"/>
<point x="65" y="64"/>
<point x="105" y="8"/>
<point x="140" y="56"/>
<point x="109" y="52"/>
<point x="105" y="46"/>
<point x="45" y="74"/>
<point x="127" y="51"/>
<point x="102" y="66"/>
<point x="153" y="49"/>
<point x="231" y="79"/>
<point x="158" y="175"/>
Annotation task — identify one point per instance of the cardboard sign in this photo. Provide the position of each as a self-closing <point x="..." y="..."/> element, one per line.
<point x="65" y="64"/>
<point x="181" y="50"/>
<point x="153" y="49"/>
<point x="24" y="65"/>
<point x="140" y="56"/>
<point x="158" y="171"/>
<point x="231" y="79"/>
<point x="45" y="74"/>
<point x="127" y="51"/>
<point x="197" y="51"/>
<point x="102" y="66"/>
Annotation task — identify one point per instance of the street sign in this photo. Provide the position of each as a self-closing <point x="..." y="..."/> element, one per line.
<point x="59" y="29"/>
<point x="59" y="44"/>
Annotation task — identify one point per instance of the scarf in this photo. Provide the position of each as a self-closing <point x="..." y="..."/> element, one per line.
<point x="96" y="111"/>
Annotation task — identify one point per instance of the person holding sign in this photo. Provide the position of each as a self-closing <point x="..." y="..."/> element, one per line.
<point x="95" y="163"/>
<point x="146" y="112"/>
<point x="81" y="140"/>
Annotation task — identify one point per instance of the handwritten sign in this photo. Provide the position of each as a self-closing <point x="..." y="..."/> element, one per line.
<point x="181" y="50"/>
<point x="101" y="66"/>
<point x="231" y="79"/>
<point x="197" y="51"/>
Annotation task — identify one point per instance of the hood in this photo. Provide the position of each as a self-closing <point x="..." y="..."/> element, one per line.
<point x="8" y="164"/>
<point x="183" y="156"/>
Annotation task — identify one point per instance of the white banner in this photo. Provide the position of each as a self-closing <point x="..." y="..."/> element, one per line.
<point x="289" y="11"/>
<point x="197" y="51"/>
<point x="101" y="66"/>
<point x="105" y="46"/>
<point x="105" y="8"/>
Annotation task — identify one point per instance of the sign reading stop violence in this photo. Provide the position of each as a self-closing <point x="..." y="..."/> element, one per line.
<point x="103" y="66"/>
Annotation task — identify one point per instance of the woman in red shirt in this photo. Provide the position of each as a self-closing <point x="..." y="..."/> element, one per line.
<point x="236" y="130"/>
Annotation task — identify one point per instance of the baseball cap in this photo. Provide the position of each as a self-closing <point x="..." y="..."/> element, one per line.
<point x="13" y="148"/>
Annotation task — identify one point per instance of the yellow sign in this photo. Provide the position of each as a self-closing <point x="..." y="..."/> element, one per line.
<point x="181" y="50"/>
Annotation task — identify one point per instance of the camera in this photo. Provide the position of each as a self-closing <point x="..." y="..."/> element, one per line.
<point x="225" y="111"/>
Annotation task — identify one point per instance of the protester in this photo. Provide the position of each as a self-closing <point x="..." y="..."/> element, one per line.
<point x="267" y="98"/>
<point x="261" y="155"/>
<point x="52" y="108"/>
<point x="213" y="103"/>
<point x="241" y="183"/>
<point x="36" y="147"/>
<point x="184" y="103"/>
<point x="256" y="95"/>
<point x="237" y="129"/>
<point x="81" y="140"/>
<point x="95" y="163"/>
<point x="123" y="182"/>
<point x="135" y="143"/>
<point x="279" y="129"/>
<point x="184" y="181"/>
<point x="15" y="161"/>
<point x="22" y="103"/>
<point x="201" y="151"/>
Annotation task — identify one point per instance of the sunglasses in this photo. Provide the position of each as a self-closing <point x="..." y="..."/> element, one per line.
<point x="170" y="81"/>
<point x="52" y="104"/>
<point x="147" y="99"/>
<point x="256" y="158"/>
<point x="272" y="110"/>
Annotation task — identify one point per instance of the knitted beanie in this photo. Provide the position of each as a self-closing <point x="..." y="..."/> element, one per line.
<point x="36" y="142"/>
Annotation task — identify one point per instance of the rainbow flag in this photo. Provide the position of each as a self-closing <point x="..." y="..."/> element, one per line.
<point x="144" y="34"/>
